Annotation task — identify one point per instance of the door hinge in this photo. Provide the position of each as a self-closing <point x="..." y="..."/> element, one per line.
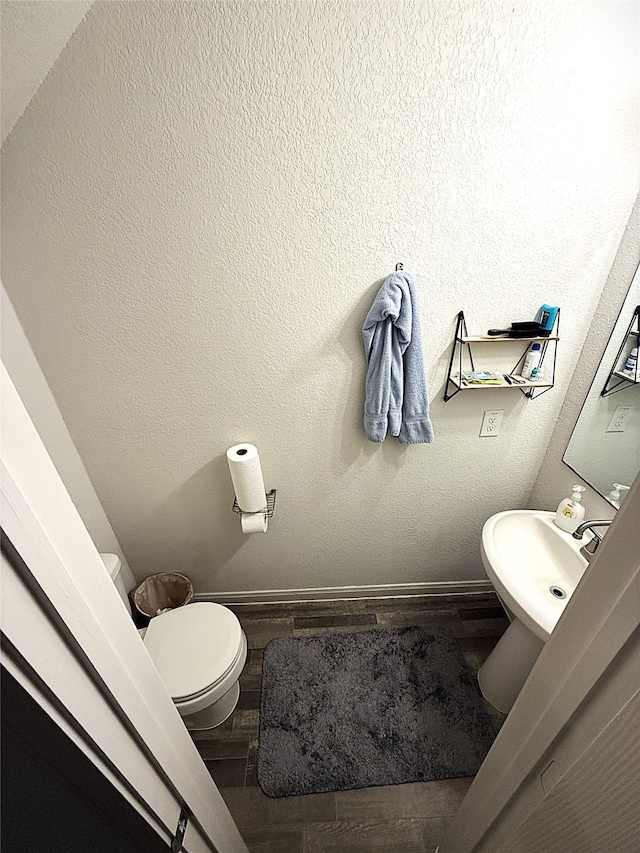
<point x="183" y="820"/>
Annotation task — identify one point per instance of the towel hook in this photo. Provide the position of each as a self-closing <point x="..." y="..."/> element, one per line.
<point x="399" y="267"/>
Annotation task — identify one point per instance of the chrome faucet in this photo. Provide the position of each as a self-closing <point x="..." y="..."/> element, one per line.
<point x="590" y="548"/>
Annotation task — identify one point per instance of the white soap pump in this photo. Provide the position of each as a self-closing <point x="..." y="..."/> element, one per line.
<point x="570" y="511"/>
<point x="614" y="494"/>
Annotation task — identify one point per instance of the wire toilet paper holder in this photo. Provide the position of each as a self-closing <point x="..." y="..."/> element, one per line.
<point x="268" y="511"/>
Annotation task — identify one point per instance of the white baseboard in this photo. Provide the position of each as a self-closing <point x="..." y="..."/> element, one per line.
<point x="323" y="593"/>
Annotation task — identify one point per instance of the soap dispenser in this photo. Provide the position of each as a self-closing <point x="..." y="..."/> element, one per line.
<point x="570" y="511"/>
<point x="614" y="494"/>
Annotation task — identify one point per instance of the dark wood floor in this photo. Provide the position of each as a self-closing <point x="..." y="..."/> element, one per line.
<point x="393" y="819"/>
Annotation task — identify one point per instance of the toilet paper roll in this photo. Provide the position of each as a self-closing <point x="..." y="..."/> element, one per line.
<point x="246" y="474"/>
<point x="254" y="522"/>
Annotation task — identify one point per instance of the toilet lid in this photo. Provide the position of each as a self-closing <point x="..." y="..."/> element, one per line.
<point x="193" y="646"/>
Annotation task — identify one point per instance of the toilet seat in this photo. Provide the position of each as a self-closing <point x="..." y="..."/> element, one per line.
<point x="195" y="648"/>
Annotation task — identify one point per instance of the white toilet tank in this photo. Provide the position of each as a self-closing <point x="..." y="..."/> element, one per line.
<point x="113" y="564"/>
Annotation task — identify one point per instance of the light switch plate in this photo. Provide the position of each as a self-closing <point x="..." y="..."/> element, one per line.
<point x="619" y="419"/>
<point x="491" y="423"/>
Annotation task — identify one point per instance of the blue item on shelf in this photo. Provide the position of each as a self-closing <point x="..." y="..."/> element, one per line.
<point x="546" y="316"/>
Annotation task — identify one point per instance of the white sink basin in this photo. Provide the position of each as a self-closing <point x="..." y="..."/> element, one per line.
<point x="525" y="555"/>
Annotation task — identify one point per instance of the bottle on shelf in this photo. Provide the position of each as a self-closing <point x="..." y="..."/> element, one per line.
<point x="631" y="364"/>
<point x="531" y="362"/>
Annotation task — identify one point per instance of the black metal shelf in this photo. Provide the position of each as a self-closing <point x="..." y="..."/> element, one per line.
<point x="621" y="378"/>
<point x="462" y="347"/>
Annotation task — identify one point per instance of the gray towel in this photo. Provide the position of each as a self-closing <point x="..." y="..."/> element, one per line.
<point x="396" y="399"/>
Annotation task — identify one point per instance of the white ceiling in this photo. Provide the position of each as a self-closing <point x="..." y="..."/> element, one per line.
<point x="33" y="35"/>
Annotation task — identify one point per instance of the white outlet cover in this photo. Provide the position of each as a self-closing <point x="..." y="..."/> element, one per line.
<point x="491" y="423"/>
<point x="619" y="419"/>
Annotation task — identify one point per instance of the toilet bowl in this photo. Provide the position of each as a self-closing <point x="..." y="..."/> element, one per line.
<point x="199" y="651"/>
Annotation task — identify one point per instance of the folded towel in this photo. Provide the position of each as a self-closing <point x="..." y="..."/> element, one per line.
<point x="396" y="399"/>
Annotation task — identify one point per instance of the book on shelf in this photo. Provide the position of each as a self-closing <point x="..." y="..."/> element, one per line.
<point x="481" y="377"/>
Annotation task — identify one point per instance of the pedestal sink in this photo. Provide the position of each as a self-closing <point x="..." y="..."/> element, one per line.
<point x="535" y="567"/>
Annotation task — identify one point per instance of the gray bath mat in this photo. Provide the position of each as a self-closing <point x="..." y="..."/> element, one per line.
<point x="377" y="707"/>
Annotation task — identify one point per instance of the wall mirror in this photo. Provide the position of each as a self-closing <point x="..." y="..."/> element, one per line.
<point x="604" y="447"/>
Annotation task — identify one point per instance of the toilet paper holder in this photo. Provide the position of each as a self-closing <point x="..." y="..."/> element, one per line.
<point x="271" y="504"/>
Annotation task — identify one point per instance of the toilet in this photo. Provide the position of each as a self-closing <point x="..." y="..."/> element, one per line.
<point x="199" y="651"/>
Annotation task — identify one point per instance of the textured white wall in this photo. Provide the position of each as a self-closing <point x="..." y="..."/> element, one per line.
<point x="32" y="35"/>
<point x="200" y="203"/>
<point x="36" y="396"/>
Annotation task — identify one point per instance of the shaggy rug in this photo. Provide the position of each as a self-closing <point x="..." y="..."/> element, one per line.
<point x="378" y="707"/>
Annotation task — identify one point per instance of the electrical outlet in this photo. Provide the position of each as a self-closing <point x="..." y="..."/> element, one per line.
<point x="491" y="423"/>
<point x="619" y="419"/>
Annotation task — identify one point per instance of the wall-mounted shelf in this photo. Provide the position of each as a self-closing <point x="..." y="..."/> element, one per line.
<point x="619" y="379"/>
<point x="495" y="339"/>
<point x="462" y="352"/>
<point x="503" y="383"/>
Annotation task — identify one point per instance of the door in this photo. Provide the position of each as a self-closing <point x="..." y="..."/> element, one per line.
<point x="69" y="643"/>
